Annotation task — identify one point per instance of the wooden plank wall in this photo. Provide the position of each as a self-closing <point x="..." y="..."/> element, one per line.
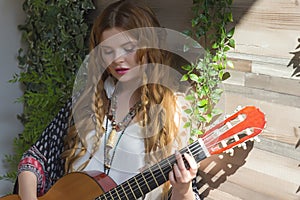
<point x="266" y="31"/>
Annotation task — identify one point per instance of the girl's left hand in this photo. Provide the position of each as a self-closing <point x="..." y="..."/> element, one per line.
<point x="181" y="177"/>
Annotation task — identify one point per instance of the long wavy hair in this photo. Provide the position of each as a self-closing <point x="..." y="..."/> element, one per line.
<point x="161" y="131"/>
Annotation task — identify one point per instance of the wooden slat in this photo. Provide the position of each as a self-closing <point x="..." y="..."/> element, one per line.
<point x="271" y="83"/>
<point x="279" y="148"/>
<point x="264" y="82"/>
<point x="241" y="64"/>
<point x="173" y="14"/>
<point x="236" y="78"/>
<point x="269" y="28"/>
<point x="263" y="95"/>
<point x="266" y="65"/>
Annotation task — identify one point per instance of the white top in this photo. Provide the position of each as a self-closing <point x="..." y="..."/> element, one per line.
<point x="129" y="156"/>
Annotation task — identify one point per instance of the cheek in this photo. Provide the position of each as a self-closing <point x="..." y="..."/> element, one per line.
<point x="133" y="59"/>
<point x="108" y="59"/>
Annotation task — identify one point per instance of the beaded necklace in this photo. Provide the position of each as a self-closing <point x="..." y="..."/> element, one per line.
<point x="112" y="141"/>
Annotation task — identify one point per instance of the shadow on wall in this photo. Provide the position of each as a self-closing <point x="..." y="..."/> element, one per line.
<point x="241" y="8"/>
<point x="216" y="169"/>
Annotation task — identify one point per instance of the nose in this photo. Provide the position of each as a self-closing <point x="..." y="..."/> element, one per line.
<point x="119" y="56"/>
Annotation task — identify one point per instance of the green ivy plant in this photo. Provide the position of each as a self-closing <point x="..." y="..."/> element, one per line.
<point x="54" y="34"/>
<point x="211" y="28"/>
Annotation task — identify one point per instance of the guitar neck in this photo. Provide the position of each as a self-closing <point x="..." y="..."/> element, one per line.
<point x="154" y="176"/>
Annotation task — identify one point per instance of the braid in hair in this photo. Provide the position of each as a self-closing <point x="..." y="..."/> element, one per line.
<point x="99" y="110"/>
<point x="158" y="110"/>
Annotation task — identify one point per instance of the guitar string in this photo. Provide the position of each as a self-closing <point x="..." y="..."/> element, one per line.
<point x="141" y="178"/>
<point x="116" y="192"/>
<point x="164" y="166"/>
<point x="163" y="169"/>
<point x="235" y="121"/>
<point x="128" y="190"/>
<point x="213" y="137"/>
<point x="211" y="140"/>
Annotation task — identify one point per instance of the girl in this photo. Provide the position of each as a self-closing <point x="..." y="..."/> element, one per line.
<point x="123" y="120"/>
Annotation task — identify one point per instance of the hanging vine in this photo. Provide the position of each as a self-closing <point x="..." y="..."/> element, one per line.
<point x="212" y="28"/>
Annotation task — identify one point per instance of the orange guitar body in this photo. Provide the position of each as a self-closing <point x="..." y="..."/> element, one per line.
<point x="76" y="186"/>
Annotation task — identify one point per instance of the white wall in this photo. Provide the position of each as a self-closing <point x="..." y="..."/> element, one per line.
<point x="11" y="15"/>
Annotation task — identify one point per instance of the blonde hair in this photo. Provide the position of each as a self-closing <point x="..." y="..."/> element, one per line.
<point x="158" y="137"/>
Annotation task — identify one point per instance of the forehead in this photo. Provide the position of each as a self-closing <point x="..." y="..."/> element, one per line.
<point x="114" y="37"/>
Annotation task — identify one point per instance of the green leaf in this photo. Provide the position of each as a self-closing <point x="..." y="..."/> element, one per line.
<point x="196" y="132"/>
<point x="202" y="119"/>
<point x="225" y="76"/>
<point x="230" y="33"/>
<point x="190" y="97"/>
<point x="209" y="117"/>
<point x="195" y="21"/>
<point x="194" y="77"/>
<point x="79" y="41"/>
<point x="188" y="111"/>
<point x="215" y="45"/>
<point x="187" y="124"/>
<point x="187" y="32"/>
<point x="185" y="77"/>
<point x="230" y="64"/>
<point x="226" y="48"/>
<point x="186" y="67"/>
<point x="230" y="17"/>
<point x="202" y="103"/>
<point x="232" y="43"/>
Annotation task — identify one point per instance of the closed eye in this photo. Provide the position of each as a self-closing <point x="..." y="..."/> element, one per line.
<point x="129" y="47"/>
<point x="107" y="50"/>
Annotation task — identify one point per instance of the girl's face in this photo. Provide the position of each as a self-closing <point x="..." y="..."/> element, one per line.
<point x="118" y="50"/>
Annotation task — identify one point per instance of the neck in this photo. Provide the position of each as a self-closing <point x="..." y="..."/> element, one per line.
<point x="128" y="87"/>
<point x="126" y="96"/>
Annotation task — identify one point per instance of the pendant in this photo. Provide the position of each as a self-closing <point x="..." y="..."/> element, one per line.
<point x="111" y="139"/>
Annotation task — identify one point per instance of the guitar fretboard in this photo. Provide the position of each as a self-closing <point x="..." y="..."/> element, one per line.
<point x="152" y="177"/>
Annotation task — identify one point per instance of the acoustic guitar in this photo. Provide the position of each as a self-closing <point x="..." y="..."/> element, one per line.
<point x="234" y="131"/>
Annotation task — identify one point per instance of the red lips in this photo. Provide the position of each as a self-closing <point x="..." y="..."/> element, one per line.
<point x="121" y="71"/>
